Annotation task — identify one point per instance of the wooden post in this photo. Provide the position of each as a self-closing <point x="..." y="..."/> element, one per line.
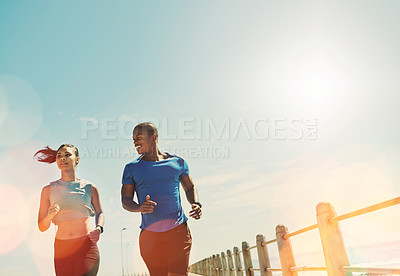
<point x="214" y="266"/>
<point x="198" y="267"/>
<point x="224" y="265"/>
<point x="332" y="241"/>
<point x="219" y="265"/>
<point x="238" y="262"/>
<point x="285" y="251"/>
<point x="209" y="266"/>
<point x="263" y="257"/>
<point x="248" y="264"/>
<point x="231" y="268"/>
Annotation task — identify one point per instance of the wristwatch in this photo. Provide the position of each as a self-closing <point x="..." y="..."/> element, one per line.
<point x="198" y="203"/>
<point x="101" y="228"/>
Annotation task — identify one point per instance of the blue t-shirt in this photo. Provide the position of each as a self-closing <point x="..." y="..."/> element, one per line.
<point x="161" y="181"/>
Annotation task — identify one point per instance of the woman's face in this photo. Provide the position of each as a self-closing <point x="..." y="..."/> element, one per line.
<point x="143" y="142"/>
<point x="66" y="158"/>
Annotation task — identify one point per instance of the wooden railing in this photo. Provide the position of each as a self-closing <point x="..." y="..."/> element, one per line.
<point x="335" y="255"/>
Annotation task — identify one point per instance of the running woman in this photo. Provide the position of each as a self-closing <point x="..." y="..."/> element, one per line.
<point x="165" y="240"/>
<point x="69" y="202"/>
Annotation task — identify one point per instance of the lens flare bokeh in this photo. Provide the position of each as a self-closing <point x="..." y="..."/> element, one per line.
<point x="20" y="110"/>
<point x="13" y="227"/>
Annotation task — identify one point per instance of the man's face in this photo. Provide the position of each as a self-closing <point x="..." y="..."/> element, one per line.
<point x="143" y="142"/>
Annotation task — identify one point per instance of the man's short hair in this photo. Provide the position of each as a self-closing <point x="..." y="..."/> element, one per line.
<point x="148" y="127"/>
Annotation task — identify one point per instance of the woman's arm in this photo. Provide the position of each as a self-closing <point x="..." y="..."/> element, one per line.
<point x="98" y="210"/>
<point x="46" y="212"/>
<point x="99" y="215"/>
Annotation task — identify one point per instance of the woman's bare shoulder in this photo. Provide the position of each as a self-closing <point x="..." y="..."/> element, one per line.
<point x="46" y="189"/>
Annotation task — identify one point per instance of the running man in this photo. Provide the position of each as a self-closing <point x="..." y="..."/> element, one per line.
<point x="165" y="240"/>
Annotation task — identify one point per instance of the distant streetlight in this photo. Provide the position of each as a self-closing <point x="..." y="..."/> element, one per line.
<point x="122" y="253"/>
<point x="127" y="260"/>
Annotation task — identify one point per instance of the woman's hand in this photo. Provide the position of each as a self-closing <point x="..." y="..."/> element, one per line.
<point x="94" y="235"/>
<point x="147" y="206"/>
<point x="53" y="210"/>
<point x="196" y="211"/>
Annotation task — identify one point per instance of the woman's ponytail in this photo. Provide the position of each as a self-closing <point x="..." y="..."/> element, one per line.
<point x="46" y="155"/>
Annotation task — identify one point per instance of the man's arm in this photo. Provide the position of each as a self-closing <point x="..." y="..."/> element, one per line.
<point x="127" y="194"/>
<point x="192" y="196"/>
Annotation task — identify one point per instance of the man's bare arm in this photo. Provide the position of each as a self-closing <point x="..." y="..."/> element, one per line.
<point x="192" y="196"/>
<point x="127" y="195"/>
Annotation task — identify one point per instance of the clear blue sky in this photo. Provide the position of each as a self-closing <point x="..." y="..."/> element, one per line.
<point x="276" y="106"/>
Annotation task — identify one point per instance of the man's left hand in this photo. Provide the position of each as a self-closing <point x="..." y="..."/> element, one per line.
<point x="195" y="212"/>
